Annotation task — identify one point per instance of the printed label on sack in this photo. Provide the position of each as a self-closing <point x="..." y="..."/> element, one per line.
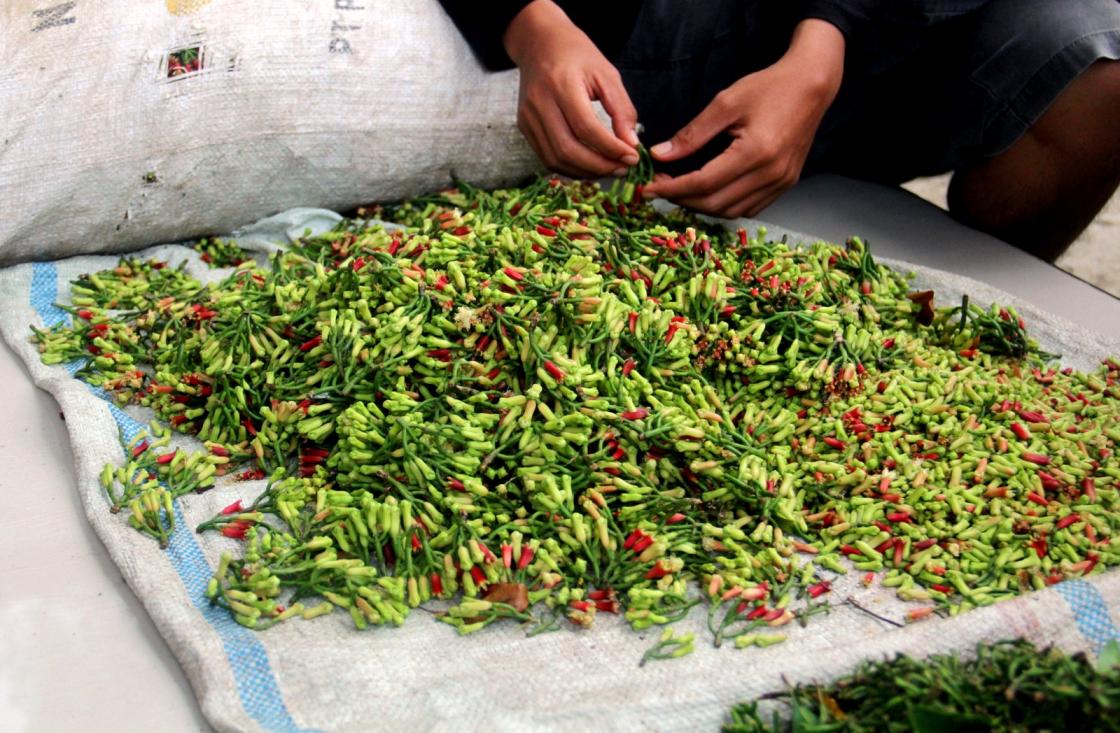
<point x="342" y="27"/>
<point x="52" y="17"/>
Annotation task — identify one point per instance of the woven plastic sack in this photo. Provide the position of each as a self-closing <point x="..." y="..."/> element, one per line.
<point x="325" y="675"/>
<point x="124" y="124"/>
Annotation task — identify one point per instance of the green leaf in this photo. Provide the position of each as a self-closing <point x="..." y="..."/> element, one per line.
<point x="1109" y="658"/>
<point x="803" y="717"/>
<point x="930" y="719"/>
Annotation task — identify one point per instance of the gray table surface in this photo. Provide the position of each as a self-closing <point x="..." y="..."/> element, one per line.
<point x="77" y="649"/>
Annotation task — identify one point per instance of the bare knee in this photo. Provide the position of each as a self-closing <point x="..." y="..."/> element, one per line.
<point x="1085" y="117"/>
<point x="1103" y="76"/>
<point x="1103" y="81"/>
<point x="1044" y="190"/>
<point x="1074" y="143"/>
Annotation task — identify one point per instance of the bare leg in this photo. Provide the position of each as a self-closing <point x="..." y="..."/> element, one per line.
<point x="1044" y="190"/>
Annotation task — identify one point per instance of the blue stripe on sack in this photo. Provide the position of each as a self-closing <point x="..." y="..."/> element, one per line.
<point x="1090" y="611"/>
<point x="252" y="673"/>
<point x="44" y="294"/>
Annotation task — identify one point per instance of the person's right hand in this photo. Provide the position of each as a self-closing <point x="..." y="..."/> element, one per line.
<point x="562" y="72"/>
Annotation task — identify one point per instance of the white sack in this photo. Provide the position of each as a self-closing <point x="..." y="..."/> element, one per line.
<point x="330" y="103"/>
<point x="324" y="674"/>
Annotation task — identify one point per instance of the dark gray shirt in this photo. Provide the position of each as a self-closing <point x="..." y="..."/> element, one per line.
<point x="610" y="23"/>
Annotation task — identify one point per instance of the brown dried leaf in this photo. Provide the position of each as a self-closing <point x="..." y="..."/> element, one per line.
<point x="514" y="594"/>
<point x="833" y="707"/>
<point x="924" y="298"/>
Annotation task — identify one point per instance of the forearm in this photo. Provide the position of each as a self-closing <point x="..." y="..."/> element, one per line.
<point x="483" y="26"/>
<point x="535" y="21"/>
<point x="487" y="25"/>
<point x="817" y="48"/>
<point x="850" y="17"/>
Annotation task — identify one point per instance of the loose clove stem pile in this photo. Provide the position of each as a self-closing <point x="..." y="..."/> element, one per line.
<point x="1006" y="686"/>
<point x="553" y="401"/>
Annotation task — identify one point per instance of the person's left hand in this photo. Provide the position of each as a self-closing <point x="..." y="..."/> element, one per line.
<point x="771" y="116"/>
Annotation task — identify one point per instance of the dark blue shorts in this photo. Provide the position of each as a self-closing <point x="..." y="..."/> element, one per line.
<point x="928" y="91"/>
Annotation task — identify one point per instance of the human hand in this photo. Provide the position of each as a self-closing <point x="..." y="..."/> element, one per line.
<point x="771" y="116"/>
<point x="562" y="72"/>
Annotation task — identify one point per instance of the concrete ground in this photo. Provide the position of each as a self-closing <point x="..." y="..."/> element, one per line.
<point x="1094" y="257"/>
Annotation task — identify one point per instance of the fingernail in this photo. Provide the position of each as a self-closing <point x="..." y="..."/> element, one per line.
<point x="619" y="171"/>
<point x="630" y="159"/>
<point x="662" y="148"/>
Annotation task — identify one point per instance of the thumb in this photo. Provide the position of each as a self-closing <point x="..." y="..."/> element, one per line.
<point x="714" y="119"/>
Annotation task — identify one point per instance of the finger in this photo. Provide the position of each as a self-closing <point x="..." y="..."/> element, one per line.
<point x="722" y="200"/>
<point x="755" y="201"/>
<point x="712" y="120"/>
<point x="587" y="130"/>
<point x="570" y="151"/>
<point x="760" y="201"/>
<point x="716" y="173"/>
<point x="540" y="141"/>
<point x="624" y="117"/>
<point x="783" y="176"/>
<point x="531" y="133"/>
